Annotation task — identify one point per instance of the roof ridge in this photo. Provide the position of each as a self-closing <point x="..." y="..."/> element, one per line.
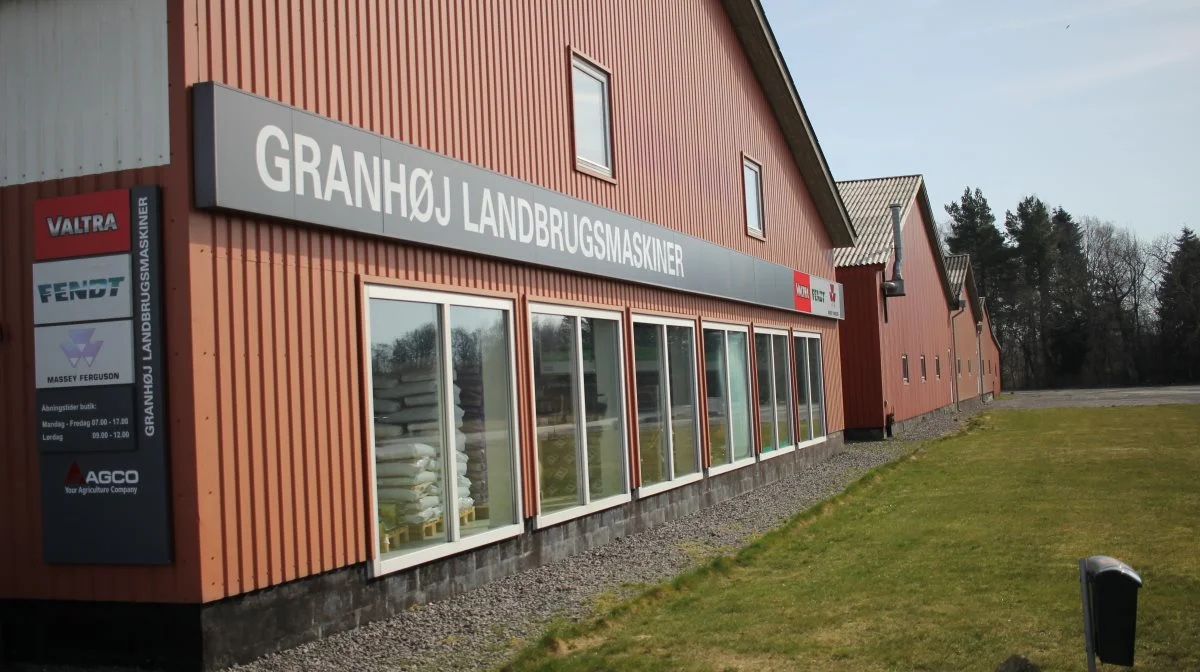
<point x="882" y="178"/>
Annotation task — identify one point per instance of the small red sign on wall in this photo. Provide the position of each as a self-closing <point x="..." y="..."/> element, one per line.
<point x="80" y="226"/>
<point x="802" y="291"/>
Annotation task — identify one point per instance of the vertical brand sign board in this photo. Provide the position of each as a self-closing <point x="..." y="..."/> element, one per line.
<point x="263" y="157"/>
<point x="97" y="310"/>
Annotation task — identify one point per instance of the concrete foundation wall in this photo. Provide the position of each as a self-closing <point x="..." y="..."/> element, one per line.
<point x="967" y="406"/>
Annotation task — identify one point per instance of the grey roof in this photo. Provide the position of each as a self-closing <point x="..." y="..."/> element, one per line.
<point x="868" y="203"/>
<point x="758" y="41"/>
<point x="957" y="266"/>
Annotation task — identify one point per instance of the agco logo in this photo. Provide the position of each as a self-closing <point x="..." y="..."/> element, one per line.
<point x="82" y="290"/>
<point x="75" y="226"/>
<point x="801" y="291"/>
<point x="76" y="477"/>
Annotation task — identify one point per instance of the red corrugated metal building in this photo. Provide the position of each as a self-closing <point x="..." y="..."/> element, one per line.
<point x="903" y="341"/>
<point x="442" y="291"/>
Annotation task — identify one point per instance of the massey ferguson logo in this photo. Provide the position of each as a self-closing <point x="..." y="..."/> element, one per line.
<point x="103" y="482"/>
<point x="82" y="290"/>
<point x="81" y="347"/>
<point x="76" y="226"/>
<point x="801" y="291"/>
<point x="832" y="294"/>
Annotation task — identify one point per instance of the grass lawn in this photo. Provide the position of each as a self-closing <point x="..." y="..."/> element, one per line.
<point x="952" y="559"/>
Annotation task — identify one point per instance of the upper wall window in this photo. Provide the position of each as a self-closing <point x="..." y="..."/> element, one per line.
<point x="668" y="413"/>
<point x="773" y="364"/>
<point x="924" y="374"/>
<point x="752" y="187"/>
<point x="593" y="117"/>
<point x="937" y="366"/>
<point x="579" y="401"/>
<point x="727" y="373"/>
<point x="444" y="430"/>
<point x="904" y="367"/>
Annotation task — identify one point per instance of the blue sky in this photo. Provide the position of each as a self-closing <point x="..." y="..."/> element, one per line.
<point x="1102" y="118"/>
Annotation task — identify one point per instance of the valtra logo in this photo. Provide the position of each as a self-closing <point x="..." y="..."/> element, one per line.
<point x="80" y="226"/>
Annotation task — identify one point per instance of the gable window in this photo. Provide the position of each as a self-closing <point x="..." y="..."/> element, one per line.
<point x="937" y="366"/>
<point x="924" y="375"/>
<point x="904" y="367"/>
<point x="593" y="117"/>
<point x="579" y="402"/>
<point x="773" y="365"/>
<point x="752" y="188"/>
<point x="668" y="412"/>
<point x="727" y="374"/>
<point x="444" y="432"/>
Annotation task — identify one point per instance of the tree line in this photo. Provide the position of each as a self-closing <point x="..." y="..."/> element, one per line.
<point x="1081" y="302"/>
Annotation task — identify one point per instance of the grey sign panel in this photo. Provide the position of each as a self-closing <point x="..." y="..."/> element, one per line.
<point x="86" y="419"/>
<point x="80" y="290"/>
<point x="102" y="419"/>
<point x="83" y="354"/>
<point x="262" y="157"/>
<point x="102" y="508"/>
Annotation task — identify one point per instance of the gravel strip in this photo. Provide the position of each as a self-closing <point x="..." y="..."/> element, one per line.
<point x="483" y="628"/>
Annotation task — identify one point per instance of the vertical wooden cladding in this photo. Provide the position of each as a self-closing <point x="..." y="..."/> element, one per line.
<point x="917" y="325"/>
<point x="23" y="574"/>
<point x="862" y="372"/>
<point x="489" y="83"/>
<point x="276" y="346"/>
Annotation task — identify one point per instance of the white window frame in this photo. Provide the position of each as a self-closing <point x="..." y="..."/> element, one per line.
<point x="824" y="416"/>
<point x="714" y="470"/>
<point x="589" y="506"/>
<point x="791" y="393"/>
<point x="379" y="565"/>
<point x="697" y="343"/>
<point x="924" y="370"/>
<point x="904" y="371"/>
<point x="937" y="366"/>
<point x="593" y="70"/>
<point x="756" y="167"/>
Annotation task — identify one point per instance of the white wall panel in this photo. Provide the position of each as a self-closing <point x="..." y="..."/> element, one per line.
<point x="83" y="87"/>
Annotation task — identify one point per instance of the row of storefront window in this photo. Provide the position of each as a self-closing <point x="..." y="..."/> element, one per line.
<point x="445" y="439"/>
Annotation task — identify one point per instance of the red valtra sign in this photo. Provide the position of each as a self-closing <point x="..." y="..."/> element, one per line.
<point x="802" y="292"/>
<point x="79" y="226"/>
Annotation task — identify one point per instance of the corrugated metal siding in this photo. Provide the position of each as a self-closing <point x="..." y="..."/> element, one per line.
<point x="917" y="325"/>
<point x="868" y="203"/>
<point x="275" y="350"/>
<point x="862" y="375"/>
<point x="83" y="88"/>
<point x="968" y="349"/>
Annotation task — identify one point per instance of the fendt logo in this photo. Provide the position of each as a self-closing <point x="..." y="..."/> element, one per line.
<point x="82" y="290"/>
<point x="102" y="482"/>
<point x="79" y="225"/>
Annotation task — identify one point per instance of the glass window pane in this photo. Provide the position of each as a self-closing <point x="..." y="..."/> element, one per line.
<point x="783" y="391"/>
<point x="753" y="197"/>
<point x="739" y="395"/>
<point x="714" y="370"/>
<point x="554" y="390"/>
<point x="766" y="402"/>
<point x="804" y="428"/>
<point x="685" y="434"/>
<point x="816" y="387"/>
<point x="487" y="496"/>
<point x="591" y="118"/>
<point x="603" y="406"/>
<point x="407" y="397"/>
<point x="651" y="395"/>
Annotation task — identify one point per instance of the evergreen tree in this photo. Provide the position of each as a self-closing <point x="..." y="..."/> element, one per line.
<point x="1031" y="229"/>
<point x="1068" y="327"/>
<point x="1179" y="309"/>
<point x="973" y="231"/>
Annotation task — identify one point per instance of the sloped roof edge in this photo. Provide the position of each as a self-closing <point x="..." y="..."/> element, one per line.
<point x="758" y="42"/>
<point x="920" y="196"/>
